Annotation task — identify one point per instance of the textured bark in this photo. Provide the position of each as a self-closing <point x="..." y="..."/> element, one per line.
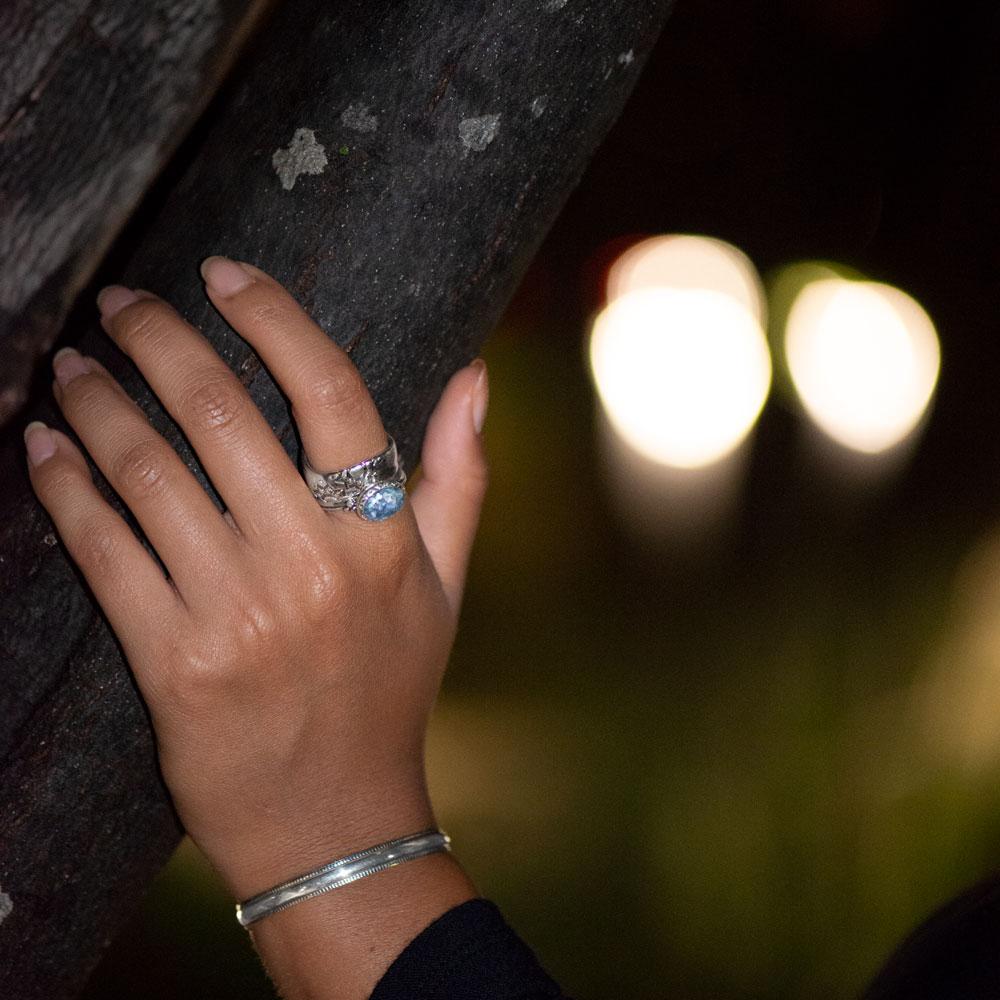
<point x="450" y="135"/>
<point x="94" y="95"/>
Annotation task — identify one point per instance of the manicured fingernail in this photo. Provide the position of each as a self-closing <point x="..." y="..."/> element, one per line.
<point x="224" y="276"/>
<point x="480" y="395"/>
<point x="114" y="299"/>
<point x="39" y="441"/>
<point x="68" y="363"/>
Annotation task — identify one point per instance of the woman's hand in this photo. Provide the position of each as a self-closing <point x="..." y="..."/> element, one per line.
<point x="292" y="657"/>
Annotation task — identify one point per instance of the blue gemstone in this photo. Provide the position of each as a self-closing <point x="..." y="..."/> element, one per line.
<point x="382" y="503"/>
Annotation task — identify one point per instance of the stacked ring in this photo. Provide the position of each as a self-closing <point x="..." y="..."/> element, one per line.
<point x="373" y="489"/>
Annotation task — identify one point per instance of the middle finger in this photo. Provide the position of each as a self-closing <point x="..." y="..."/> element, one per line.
<point x="234" y="444"/>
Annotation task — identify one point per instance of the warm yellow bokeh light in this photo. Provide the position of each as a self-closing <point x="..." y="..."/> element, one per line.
<point x="864" y="359"/>
<point x="694" y="262"/>
<point x="681" y="373"/>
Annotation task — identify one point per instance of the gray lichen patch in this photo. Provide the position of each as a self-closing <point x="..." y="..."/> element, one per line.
<point x="538" y="105"/>
<point x="627" y="58"/>
<point x="303" y="155"/>
<point x="359" y="118"/>
<point x="477" y="133"/>
<point x="6" y="906"/>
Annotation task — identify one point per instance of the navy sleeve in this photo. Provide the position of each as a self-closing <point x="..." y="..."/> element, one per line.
<point x="471" y="953"/>
<point x="468" y="953"/>
<point x="953" y="955"/>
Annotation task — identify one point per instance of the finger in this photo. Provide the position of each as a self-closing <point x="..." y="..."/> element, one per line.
<point x="176" y="514"/>
<point x="333" y="410"/>
<point x="449" y="496"/>
<point x="237" y="449"/>
<point x="124" y="578"/>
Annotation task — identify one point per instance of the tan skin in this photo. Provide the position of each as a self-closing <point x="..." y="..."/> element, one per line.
<point x="291" y="659"/>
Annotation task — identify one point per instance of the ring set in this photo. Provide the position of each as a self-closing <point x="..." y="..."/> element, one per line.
<point x="373" y="489"/>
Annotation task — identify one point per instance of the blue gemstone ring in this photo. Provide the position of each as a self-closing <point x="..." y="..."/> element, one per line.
<point x="374" y="489"/>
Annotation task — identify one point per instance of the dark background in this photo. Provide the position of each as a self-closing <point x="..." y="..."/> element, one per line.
<point x="744" y="770"/>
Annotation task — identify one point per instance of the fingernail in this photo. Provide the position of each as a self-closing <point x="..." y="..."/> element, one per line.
<point x="39" y="441"/>
<point x="114" y="299"/>
<point x="224" y="276"/>
<point x="480" y="395"/>
<point x="67" y="364"/>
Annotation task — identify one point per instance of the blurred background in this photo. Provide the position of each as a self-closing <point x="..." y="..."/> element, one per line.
<point x="734" y="614"/>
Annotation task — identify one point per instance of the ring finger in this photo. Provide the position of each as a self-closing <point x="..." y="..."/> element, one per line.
<point x="335" y="414"/>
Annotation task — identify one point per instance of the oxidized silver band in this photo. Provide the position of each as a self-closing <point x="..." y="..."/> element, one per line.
<point x="373" y="489"/>
<point x="338" y="873"/>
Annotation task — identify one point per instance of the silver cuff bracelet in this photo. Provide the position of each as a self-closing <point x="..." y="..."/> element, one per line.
<point x="341" y="872"/>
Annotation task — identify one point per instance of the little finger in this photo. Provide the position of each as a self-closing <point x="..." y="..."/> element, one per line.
<point x="124" y="578"/>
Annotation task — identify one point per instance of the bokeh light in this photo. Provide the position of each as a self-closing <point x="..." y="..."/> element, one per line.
<point x="864" y="360"/>
<point x="694" y="262"/>
<point x="682" y="373"/>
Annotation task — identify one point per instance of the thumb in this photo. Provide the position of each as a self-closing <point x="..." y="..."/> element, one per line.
<point x="448" y="497"/>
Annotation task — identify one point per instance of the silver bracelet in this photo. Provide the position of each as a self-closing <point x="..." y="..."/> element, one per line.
<point x="341" y="872"/>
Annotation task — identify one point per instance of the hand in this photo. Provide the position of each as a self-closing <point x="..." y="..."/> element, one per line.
<point x="291" y="659"/>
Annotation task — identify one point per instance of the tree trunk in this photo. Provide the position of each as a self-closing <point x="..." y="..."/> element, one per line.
<point x="397" y="165"/>
<point x="94" y="95"/>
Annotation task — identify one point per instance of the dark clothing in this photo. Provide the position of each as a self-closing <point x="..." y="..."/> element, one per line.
<point x="953" y="955"/>
<point x="471" y="953"/>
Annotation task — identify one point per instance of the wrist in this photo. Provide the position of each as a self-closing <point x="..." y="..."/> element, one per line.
<point x="261" y="858"/>
<point x="358" y="929"/>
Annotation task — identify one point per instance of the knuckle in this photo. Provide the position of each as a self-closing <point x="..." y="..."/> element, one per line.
<point x="320" y="581"/>
<point x="322" y="587"/>
<point x="194" y="677"/>
<point x="336" y="392"/>
<point x="142" y="324"/>
<point x="255" y="624"/>
<point x="139" y="471"/>
<point x="214" y="405"/>
<point x="94" y="545"/>
<point x="56" y="479"/>
<point x="267" y="312"/>
<point x="86" y="397"/>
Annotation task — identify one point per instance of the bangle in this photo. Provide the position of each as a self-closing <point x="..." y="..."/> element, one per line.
<point x="341" y="872"/>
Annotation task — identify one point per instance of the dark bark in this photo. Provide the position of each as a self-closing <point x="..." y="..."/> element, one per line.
<point x="452" y="134"/>
<point x="94" y="95"/>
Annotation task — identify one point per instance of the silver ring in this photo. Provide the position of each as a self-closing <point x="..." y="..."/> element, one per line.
<point x="373" y="489"/>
